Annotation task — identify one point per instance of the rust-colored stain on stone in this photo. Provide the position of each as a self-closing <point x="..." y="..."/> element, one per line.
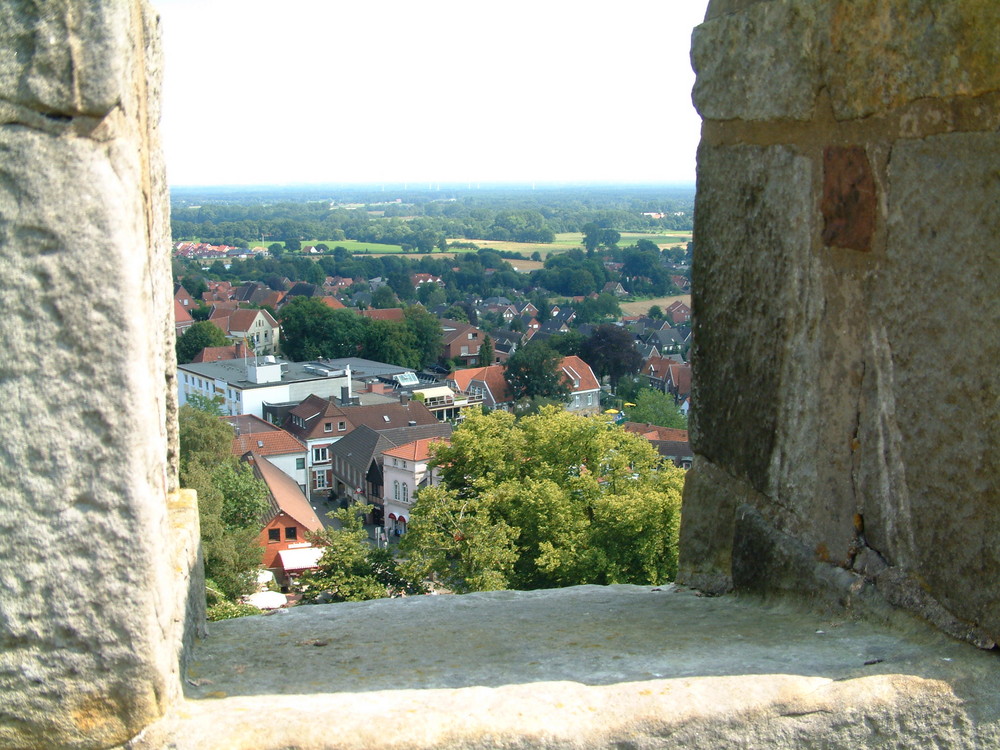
<point x="848" y="198"/>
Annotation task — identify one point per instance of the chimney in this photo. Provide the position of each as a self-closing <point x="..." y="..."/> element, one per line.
<point x="345" y="395"/>
<point x="404" y="398"/>
<point x="239" y="349"/>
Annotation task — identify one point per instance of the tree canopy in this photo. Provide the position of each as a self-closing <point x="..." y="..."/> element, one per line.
<point x="553" y="499"/>
<point x="656" y="407"/>
<point x="610" y="351"/>
<point x="196" y="338"/>
<point x="533" y="371"/>
<point x="231" y="501"/>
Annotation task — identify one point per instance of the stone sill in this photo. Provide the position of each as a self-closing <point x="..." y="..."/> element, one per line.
<point x="581" y="667"/>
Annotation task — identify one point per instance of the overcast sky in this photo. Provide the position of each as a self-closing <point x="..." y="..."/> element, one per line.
<point x="262" y="92"/>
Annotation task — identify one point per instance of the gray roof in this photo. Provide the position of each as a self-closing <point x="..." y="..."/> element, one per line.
<point x="234" y="371"/>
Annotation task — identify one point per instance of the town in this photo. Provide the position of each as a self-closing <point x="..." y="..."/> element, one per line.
<point x="350" y="388"/>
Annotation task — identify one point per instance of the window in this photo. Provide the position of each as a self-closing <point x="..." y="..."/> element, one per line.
<point x="273" y="535"/>
<point x="590" y="399"/>
<point x="320" y="455"/>
<point x="341" y="426"/>
<point x="291" y="534"/>
<point x="395" y="490"/>
<point x="319" y="480"/>
<point x="406" y="493"/>
<point x="328" y="427"/>
<point x="300" y="463"/>
<point x="395" y="462"/>
<point x="404" y="464"/>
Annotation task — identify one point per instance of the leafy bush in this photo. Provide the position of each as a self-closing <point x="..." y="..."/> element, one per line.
<point x="226" y="610"/>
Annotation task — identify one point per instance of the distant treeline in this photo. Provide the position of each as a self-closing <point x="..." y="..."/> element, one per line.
<point x="422" y="220"/>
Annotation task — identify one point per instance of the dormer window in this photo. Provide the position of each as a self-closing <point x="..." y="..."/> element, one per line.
<point x="328" y="427"/>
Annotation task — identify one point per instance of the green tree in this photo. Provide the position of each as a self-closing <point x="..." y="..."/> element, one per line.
<point x="553" y="499"/>
<point x="384" y="298"/>
<point x="426" y="331"/>
<point x="351" y="570"/>
<point x="533" y="370"/>
<point x="486" y="351"/>
<point x="310" y="329"/>
<point x="655" y="312"/>
<point x="231" y="501"/>
<point x="656" y="407"/>
<point x="196" y="338"/>
<point x="611" y="351"/>
<point x="390" y="341"/>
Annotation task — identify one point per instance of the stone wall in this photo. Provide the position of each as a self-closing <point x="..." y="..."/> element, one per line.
<point x="100" y="547"/>
<point x="847" y="304"/>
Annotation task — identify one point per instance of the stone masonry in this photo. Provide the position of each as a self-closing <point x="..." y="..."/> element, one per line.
<point x="99" y="544"/>
<point x="847" y="305"/>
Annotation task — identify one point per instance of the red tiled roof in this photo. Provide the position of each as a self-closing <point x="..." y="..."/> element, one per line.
<point x="492" y="376"/>
<point x="333" y="302"/>
<point x="418" y="450"/>
<point x="277" y="443"/>
<point x="576" y="370"/>
<point x="285" y="493"/>
<point x="655" y="432"/>
<point x="181" y="315"/>
<point x="391" y="313"/>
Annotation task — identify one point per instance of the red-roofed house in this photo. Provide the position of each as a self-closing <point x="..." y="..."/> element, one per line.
<point x="389" y="313"/>
<point x="256" y="326"/>
<point x="182" y="318"/>
<point x="220" y="353"/>
<point x="405" y="471"/>
<point x="289" y="516"/>
<point x="460" y="341"/>
<point x="585" y="388"/>
<point x="671" y="443"/>
<point x="678" y="312"/>
<point x="332" y="302"/>
<point x="253" y="434"/>
<point x="487" y="382"/>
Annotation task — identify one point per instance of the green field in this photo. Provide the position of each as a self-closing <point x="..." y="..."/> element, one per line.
<point x="563" y="242"/>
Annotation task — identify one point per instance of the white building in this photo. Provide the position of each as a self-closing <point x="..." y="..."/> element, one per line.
<point x="246" y="385"/>
<point x="404" y="471"/>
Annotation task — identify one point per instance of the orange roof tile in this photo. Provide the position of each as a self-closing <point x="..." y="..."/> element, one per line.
<point x="285" y="493"/>
<point x="418" y="450"/>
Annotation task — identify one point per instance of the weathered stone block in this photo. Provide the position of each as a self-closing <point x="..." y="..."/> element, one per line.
<point x="752" y="268"/>
<point x="885" y="53"/>
<point x="939" y="303"/>
<point x="761" y="63"/>
<point x="73" y="58"/>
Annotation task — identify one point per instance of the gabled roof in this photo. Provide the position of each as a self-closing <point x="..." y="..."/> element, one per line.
<point x="221" y="353"/>
<point x="389" y="313"/>
<point x="418" y="450"/>
<point x="388" y="416"/>
<point x="359" y="447"/>
<point x="241" y="320"/>
<point x="403" y="435"/>
<point x="657" y="366"/>
<point x="491" y="377"/>
<point x="278" y="443"/>
<point x="285" y="495"/>
<point x="579" y="375"/>
<point x="680" y="377"/>
<point x="181" y="315"/>
<point x="333" y="302"/>
<point x="655" y="432"/>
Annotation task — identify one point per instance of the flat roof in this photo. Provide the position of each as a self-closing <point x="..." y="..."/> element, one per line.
<point x="236" y="371"/>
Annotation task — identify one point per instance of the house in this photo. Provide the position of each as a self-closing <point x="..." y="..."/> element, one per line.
<point x="405" y="471"/>
<point x="320" y="423"/>
<point x="615" y="288"/>
<point x="184" y="299"/>
<point x="671" y="443"/>
<point x="289" y="516"/>
<point x="252" y="434"/>
<point x="356" y="461"/>
<point x="182" y="318"/>
<point x="656" y="369"/>
<point x="444" y="403"/>
<point x="678" y="312"/>
<point x="460" y="341"/>
<point x="389" y="313"/>
<point x="238" y="350"/>
<point x="258" y="327"/>
<point x="585" y="388"/>
<point x="678" y="381"/>
<point x="252" y="384"/>
<point x="417" y="279"/>
<point x="486" y="382"/>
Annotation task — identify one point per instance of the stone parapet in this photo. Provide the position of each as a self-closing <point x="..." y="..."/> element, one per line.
<point x="845" y="297"/>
